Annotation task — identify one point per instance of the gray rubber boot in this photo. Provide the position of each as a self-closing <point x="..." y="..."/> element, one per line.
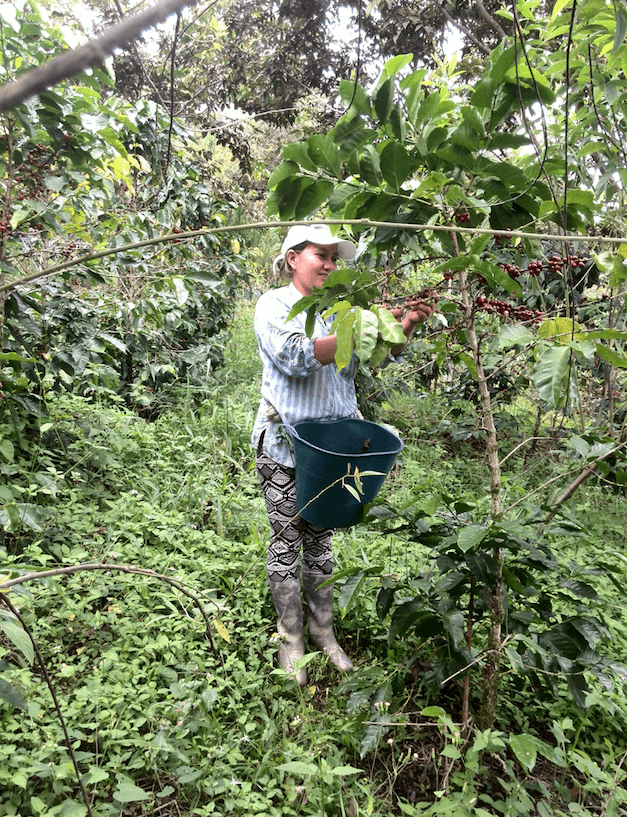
<point x="320" y="620"/>
<point x="289" y="608"/>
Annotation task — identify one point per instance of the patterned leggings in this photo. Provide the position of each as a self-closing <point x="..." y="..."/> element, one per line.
<point x="290" y="537"/>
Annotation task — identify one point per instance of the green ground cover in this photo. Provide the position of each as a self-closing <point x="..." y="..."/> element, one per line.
<point x="167" y="717"/>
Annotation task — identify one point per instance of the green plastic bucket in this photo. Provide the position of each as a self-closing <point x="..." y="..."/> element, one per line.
<point x="329" y="451"/>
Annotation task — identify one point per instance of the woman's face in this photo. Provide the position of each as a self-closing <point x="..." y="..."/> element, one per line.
<point x="312" y="265"/>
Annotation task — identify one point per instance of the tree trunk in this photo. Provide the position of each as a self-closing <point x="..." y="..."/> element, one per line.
<point x="491" y="677"/>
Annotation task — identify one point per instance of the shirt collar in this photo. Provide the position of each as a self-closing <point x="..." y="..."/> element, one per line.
<point x="293" y="291"/>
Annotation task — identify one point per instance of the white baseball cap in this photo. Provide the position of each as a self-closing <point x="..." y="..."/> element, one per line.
<point x="317" y="234"/>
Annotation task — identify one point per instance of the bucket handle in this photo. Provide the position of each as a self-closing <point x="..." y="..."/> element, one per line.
<point x="289" y="433"/>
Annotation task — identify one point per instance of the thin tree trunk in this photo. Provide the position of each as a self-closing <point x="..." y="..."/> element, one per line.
<point x="491" y="675"/>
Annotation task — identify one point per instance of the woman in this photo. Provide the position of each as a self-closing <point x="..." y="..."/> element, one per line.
<point x="301" y="382"/>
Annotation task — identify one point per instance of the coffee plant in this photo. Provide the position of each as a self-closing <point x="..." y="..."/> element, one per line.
<point x="446" y="177"/>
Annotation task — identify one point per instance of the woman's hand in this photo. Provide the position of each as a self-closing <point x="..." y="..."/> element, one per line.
<point x="419" y="313"/>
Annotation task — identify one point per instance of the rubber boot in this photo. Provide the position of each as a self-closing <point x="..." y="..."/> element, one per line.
<point x="320" y="620"/>
<point x="289" y="608"/>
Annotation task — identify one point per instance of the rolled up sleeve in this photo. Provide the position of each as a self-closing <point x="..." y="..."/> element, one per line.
<point x="291" y="352"/>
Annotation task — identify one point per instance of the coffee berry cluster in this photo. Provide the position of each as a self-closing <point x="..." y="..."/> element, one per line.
<point x="33" y="168"/>
<point x="557" y="263"/>
<point x="507" y="310"/>
<point x="511" y="269"/>
<point x="425" y="296"/>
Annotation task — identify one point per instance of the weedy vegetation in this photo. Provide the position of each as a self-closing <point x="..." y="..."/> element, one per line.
<point x="166" y="715"/>
<point x="482" y="596"/>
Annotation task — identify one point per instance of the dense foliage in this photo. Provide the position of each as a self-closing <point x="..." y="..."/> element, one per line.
<point x="481" y="597"/>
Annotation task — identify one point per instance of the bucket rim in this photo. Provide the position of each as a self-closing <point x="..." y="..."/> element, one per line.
<point x="292" y="431"/>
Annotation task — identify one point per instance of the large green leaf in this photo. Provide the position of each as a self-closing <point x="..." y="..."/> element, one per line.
<point x="283" y="200"/>
<point x="371" y="738"/>
<point x="483" y="567"/>
<point x="344" y="771"/>
<point x="297" y="153"/>
<point x="390" y="329"/>
<point x="350" y="592"/>
<point x="9" y="694"/>
<point x="549" y="373"/>
<point x="352" y="135"/>
<point x="396" y="165"/>
<point x="525" y="750"/>
<point x="559" y="330"/>
<point x="325" y="153"/>
<point x="380" y="207"/>
<point x="412" y="614"/>
<point x="483" y="93"/>
<point x="610" y="356"/>
<point x="341" y="195"/>
<point x="355" y="95"/>
<point x="354" y="204"/>
<point x="619" y="271"/>
<point x="413" y="100"/>
<point x="453" y="623"/>
<point x="515" y="334"/>
<point x="301" y="768"/>
<point x="427" y="109"/>
<point x="344" y="334"/>
<point x="312" y="198"/>
<point x="621" y="28"/>
<point x="366" y="330"/>
<point x="370" y="166"/>
<point x="395" y="64"/>
<point x="473" y="118"/>
<point x="384" y="100"/>
<point x="604" y="334"/>
<point x="127" y="792"/>
<point x="18" y="637"/>
<point x="466" y="137"/>
<point x="470" y="536"/>
<point x="380" y="353"/>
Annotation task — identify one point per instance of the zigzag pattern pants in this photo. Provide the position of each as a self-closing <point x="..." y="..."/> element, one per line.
<point x="290" y="535"/>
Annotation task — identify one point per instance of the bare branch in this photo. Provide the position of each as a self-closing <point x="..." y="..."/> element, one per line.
<point x="587" y="471"/>
<point x="359" y="223"/>
<point x="483" y="12"/>
<point x="93" y="53"/>
<point x="465" y="31"/>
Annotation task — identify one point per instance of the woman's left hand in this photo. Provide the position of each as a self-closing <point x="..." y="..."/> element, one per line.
<point x="419" y="313"/>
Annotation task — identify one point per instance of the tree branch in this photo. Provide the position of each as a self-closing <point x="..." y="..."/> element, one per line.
<point x="94" y="52"/>
<point x="465" y="31"/>
<point x="587" y="471"/>
<point x="360" y="223"/>
<point x="483" y="13"/>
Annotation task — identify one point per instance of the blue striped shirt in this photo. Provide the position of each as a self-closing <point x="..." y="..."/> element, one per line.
<point x="294" y="382"/>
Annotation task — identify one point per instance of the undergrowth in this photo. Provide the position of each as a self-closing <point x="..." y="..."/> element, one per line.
<point x="166" y="718"/>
